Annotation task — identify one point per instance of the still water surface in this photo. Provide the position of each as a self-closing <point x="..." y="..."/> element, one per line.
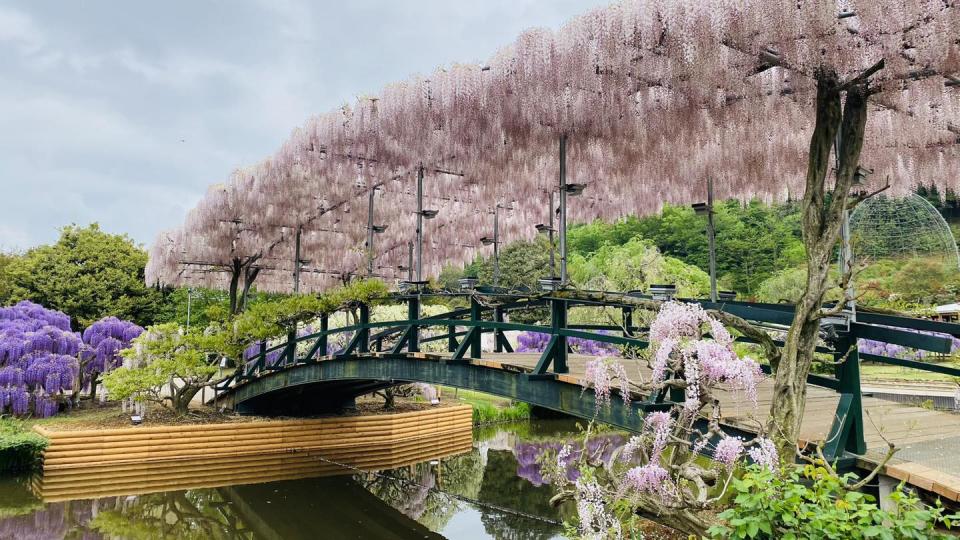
<point x="493" y="490"/>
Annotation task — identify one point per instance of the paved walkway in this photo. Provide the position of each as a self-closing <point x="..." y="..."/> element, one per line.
<point x="928" y="440"/>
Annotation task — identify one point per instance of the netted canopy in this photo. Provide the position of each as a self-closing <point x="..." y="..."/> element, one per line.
<point x="653" y="97"/>
<point x="890" y="227"/>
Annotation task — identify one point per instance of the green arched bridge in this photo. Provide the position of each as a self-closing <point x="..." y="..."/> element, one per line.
<point x="305" y="376"/>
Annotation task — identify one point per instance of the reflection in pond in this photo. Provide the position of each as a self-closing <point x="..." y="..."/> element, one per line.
<point x="491" y="488"/>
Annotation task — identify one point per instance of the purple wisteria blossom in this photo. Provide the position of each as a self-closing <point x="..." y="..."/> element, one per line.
<point x="37" y="359"/>
<point x="537" y="342"/>
<point x="103" y="341"/>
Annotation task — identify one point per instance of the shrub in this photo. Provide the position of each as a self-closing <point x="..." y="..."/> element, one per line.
<point x="20" y="448"/>
<point x="810" y="503"/>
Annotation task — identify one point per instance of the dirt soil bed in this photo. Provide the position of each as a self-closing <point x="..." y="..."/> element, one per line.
<point x="110" y="415"/>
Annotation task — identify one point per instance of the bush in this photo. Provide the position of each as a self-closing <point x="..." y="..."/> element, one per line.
<point x="20" y="448"/>
<point x="809" y="503"/>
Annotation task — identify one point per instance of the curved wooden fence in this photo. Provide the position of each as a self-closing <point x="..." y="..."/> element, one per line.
<point x="136" y="460"/>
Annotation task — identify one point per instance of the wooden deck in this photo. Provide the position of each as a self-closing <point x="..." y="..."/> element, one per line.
<point x="928" y="440"/>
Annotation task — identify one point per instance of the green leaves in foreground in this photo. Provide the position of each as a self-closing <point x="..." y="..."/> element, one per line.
<point x="20" y="448"/>
<point x="804" y="503"/>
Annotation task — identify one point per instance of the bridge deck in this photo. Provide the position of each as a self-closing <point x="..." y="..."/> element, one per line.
<point x="929" y="441"/>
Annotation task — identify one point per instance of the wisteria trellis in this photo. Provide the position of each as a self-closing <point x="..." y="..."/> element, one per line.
<point x="654" y="95"/>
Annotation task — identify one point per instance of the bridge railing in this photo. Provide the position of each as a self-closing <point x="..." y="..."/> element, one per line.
<point x="463" y="328"/>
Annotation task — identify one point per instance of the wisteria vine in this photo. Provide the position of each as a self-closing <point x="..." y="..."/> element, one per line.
<point x="658" y="471"/>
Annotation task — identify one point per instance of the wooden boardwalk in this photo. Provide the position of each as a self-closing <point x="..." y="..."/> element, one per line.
<point x="928" y="440"/>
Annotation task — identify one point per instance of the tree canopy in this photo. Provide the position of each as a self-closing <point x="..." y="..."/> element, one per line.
<point x="754" y="240"/>
<point x="88" y="274"/>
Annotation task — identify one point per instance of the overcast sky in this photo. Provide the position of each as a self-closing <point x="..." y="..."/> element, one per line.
<point x="124" y="112"/>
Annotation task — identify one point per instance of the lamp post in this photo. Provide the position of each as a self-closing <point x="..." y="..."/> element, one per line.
<point x="486" y="240"/>
<point x="565" y="189"/>
<point x="189" y="300"/>
<point x="409" y="261"/>
<point x="296" y="261"/>
<point x="563" y="209"/>
<point x="549" y="230"/>
<point x="707" y="209"/>
<point x="421" y="215"/>
<point x="371" y="230"/>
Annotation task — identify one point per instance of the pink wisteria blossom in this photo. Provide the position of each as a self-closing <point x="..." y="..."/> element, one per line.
<point x="677" y="320"/>
<point x="651" y="479"/>
<point x="660" y="423"/>
<point x="728" y="450"/>
<point x="661" y="358"/>
<point x="764" y="453"/>
<point x="602" y="374"/>
<point x="596" y="521"/>
<point x="678" y="333"/>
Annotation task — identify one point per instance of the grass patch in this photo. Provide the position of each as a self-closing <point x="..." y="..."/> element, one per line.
<point x="489" y="409"/>
<point x="488" y="414"/>
<point x="899" y="373"/>
<point x="20" y="448"/>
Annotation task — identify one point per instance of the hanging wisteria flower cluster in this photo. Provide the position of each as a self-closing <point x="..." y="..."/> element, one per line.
<point x="659" y="470"/>
<point x="103" y="341"/>
<point x="38" y="359"/>
<point x="683" y="357"/>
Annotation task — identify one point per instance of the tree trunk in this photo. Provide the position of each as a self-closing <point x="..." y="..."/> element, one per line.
<point x="389" y="399"/>
<point x="249" y="276"/>
<point x="235" y="274"/>
<point x="181" y="400"/>
<point x="822" y="218"/>
<point x="93" y="387"/>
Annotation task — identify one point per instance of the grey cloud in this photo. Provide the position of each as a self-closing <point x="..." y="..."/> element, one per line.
<point x="125" y="112"/>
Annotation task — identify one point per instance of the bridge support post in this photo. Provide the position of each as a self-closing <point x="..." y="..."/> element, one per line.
<point x="500" y="342"/>
<point x="476" y="313"/>
<point x="558" y="322"/>
<point x="322" y="340"/>
<point x="846" y="434"/>
<point x="451" y="339"/>
<point x="364" y="332"/>
<point x="290" y="356"/>
<point x="413" y="315"/>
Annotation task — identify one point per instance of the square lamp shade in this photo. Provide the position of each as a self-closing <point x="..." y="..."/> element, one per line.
<point x="467" y="283"/>
<point x="663" y="292"/>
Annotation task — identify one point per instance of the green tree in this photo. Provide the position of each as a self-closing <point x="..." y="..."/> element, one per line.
<point x="166" y="357"/>
<point x="6" y="288"/>
<point x="636" y="265"/>
<point x="88" y="274"/>
<point x="522" y="264"/>
<point x="754" y="240"/>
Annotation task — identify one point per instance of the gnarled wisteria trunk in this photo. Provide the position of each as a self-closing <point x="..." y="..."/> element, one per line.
<point x="822" y="219"/>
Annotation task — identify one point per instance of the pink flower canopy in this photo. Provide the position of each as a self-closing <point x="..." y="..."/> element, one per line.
<point x="654" y="96"/>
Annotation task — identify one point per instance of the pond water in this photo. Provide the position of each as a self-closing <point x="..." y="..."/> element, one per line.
<point x="494" y="490"/>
